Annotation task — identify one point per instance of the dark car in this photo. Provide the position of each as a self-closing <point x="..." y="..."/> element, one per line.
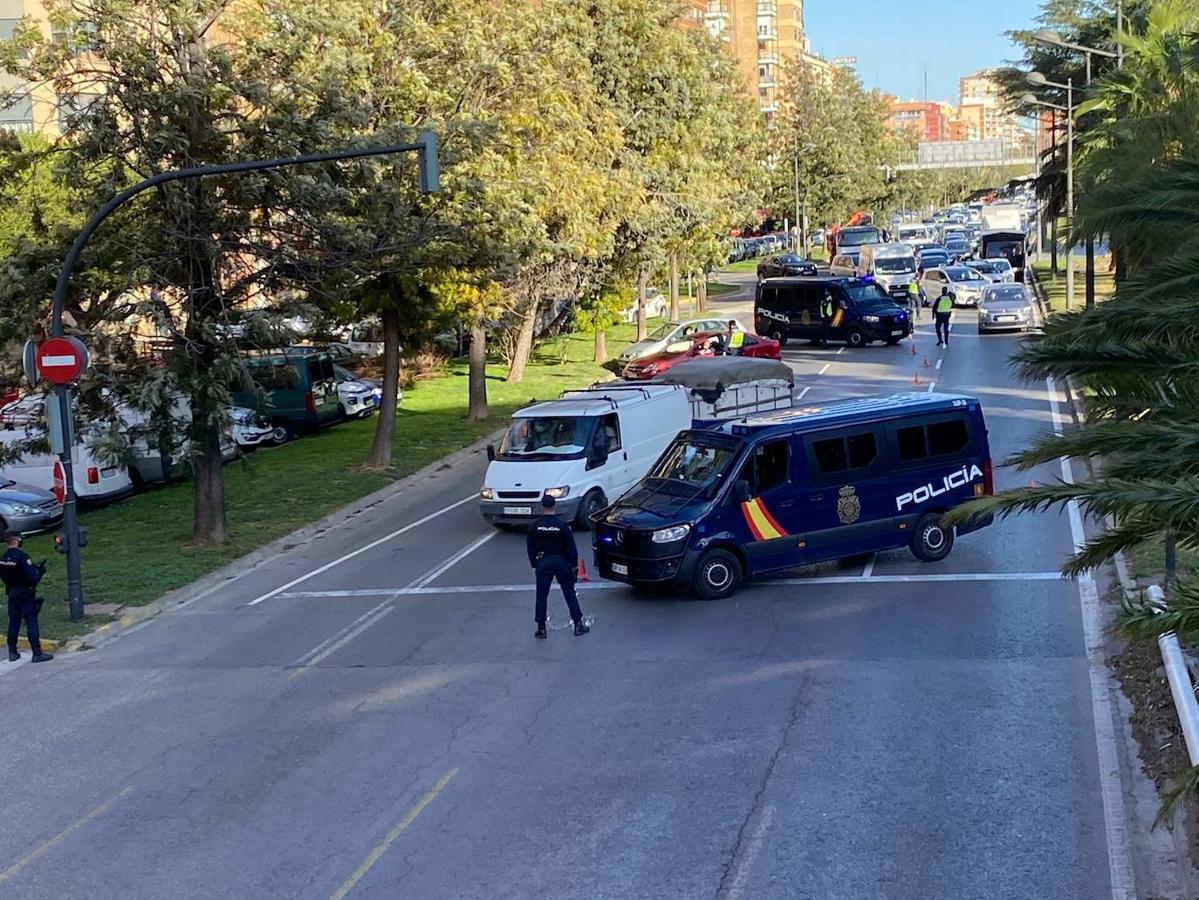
<point x="785" y="264"/>
<point x="931" y="258"/>
<point x="791" y="308"/>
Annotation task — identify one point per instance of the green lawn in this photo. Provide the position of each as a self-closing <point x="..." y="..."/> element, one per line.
<point x="140" y="549"/>
<point x="1149" y="562"/>
<point x="742" y="265"/>
<point x="716" y="289"/>
<point x="1055" y="288"/>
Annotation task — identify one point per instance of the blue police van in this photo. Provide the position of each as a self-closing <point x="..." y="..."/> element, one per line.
<point x="792" y="308"/>
<point x="797" y="486"/>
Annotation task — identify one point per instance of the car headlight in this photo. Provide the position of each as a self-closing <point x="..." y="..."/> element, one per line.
<point x="557" y="492"/>
<point x="870" y="320"/>
<point x="670" y="535"/>
<point x="22" y="509"/>
<point x="486" y="494"/>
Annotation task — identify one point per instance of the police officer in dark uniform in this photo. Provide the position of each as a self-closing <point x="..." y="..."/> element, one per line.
<point x="20" y="576"/>
<point x="552" y="554"/>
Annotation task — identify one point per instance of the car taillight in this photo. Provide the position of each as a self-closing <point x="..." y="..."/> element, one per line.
<point x="988" y="479"/>
<point x="93" y="475"/>
<point x="309" y="403"/>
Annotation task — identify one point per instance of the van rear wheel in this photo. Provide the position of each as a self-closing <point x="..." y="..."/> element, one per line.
<point x="281" y="433"/>
<point x="778" y="335"/>
<point x="931" y="540"/>
<point x="717" y="575"/>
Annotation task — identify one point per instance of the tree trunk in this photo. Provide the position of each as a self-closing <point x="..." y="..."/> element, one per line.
<point x="1053" y="247"/>
<point x="1119" y="263"/>
<point x="383" y="446"/>
<point x="701" y="294"/>
<point x="601" y="348"/>
<point x="642" y="279"/>
<point x="477" y="410"/>
<point x="674" y="286"/>
<point x="524" y="343"/>
<point x="209" y="525"/>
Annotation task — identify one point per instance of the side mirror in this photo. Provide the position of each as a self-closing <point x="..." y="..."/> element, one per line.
<point x="741" y="493"/>
<point x="491" y="452"/>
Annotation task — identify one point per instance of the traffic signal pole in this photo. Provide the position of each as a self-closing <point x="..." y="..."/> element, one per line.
<point x="430" y="181"/>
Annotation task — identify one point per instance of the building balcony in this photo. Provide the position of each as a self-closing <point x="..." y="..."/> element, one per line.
<point x="768" y="58"/>
<point x="716" y="15"/>
<point x="767" y="33"/>
<point x="768" y="8"/>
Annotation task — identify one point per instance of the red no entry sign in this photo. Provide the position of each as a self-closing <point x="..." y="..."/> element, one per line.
<point x="60" y="360"/>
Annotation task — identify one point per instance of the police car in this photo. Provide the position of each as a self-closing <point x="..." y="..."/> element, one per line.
<point x="783" y="489"/>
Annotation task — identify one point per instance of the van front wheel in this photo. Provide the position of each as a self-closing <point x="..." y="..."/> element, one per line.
<point x="931" y="540"/>
<point x="855" y="338"/>
<point x="592" y="503"/>
<point x="717" y="575"/>
<point x="281" y="433"/>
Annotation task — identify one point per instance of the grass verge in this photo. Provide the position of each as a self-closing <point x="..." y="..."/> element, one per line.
<point x="141" y="548"/>
<point x="1055" y="288"/>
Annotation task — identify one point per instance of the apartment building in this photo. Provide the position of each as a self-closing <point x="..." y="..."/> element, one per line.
<point x="35" y="108"/>
<point x="982" y="109"/>
<point x="927" y="120"/>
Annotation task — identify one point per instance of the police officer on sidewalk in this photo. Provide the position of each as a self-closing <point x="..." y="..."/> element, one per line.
<point x="942" y="311"/>
<point x="21" y="576"/>
<point x="552" y="554"/>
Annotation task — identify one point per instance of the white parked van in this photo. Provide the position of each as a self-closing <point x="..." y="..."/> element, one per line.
<point x="585" y="450"/>
<point x="96" y="482"/>
<point x="892" y="265"/>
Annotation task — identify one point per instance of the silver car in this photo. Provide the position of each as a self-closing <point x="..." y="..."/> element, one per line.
<point x="1005" y="307"/>
<point x="28" y="509"/>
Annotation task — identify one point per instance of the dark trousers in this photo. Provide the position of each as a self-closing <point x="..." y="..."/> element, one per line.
<point x="943" y="327"/>
<point x="547" y="570"/>
<point x="27" y="610"/>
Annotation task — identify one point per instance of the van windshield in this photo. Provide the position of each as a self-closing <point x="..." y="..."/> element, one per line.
<point x="865" y="291"/>
<point x="891" y="264"/>
<point x="692" y="468"/>
<point x="547" y="437"/>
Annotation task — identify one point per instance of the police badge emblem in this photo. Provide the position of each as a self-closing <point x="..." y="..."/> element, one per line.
<point x="849" y="505"/>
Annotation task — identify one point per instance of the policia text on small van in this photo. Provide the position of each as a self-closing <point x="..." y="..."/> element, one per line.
<point x="805" y="485"/>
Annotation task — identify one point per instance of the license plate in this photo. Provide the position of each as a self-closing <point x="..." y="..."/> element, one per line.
<point x="518" y="510"/>
<point x="896" y="333"/>
<point x="618" y="569"/>
<point x="1005" y="319"/>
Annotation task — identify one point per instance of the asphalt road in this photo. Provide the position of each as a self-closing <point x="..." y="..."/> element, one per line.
<point x="387" y="727"/>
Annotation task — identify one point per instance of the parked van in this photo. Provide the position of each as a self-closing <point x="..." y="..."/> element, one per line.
<point x="913" y="231"/>
<point x="294" y="393"/>
<point x="892" y="266"/>
<point x="788" y="308"/>
<point x="799" y="486"/>
<point x="96" y="482"/>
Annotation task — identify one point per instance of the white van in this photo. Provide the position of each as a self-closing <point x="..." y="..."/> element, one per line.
<point x="913" y="231"/>
<point x="96" y="482"/>
<point x="585" y="450"/>
<point x="892" y="265"/>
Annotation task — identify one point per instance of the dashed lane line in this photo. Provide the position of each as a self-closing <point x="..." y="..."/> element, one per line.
<point x="47" y="846"/>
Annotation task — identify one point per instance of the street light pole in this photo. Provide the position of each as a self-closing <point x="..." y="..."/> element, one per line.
<point x="430" y="180"/>
<point x="1069" y="194"/>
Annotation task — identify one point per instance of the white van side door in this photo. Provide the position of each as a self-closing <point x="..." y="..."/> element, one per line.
<point x="612" y="475"/>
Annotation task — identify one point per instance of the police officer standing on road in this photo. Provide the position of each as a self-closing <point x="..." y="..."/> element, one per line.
<point x="734" y="341"/>
<point x="914" y="297"/>
<point x="826" y="317"/>
<point x="942" y="310"/>
<point x="20" y="576"/>
<point x="552" y="554"/>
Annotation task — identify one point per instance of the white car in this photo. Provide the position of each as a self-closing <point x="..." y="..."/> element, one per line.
<point x="672" y="332"/>
<point x="844" y="265"/>
<point x="965" y="285"/>
<point x="1005" y="306"/>
<point x="1006" y="272"/>
<point x="250" y="428"/>
<point x="656" y="306"/>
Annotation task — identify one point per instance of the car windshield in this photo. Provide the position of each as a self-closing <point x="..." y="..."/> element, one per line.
<point x="693" y="467"/>
<point x="893" y="264"/>
<point x="1000" y="265"/>
<point x="547" y="437"/>
<point x="963" y="274"/>
<point x="1012" y="294"/>
<point x="662" y="330"/>
<point x="985" y="267"/>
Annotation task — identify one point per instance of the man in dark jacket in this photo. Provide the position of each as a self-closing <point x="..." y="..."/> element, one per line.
<point x="552" y="554"/>
<point x="21" y="576"/>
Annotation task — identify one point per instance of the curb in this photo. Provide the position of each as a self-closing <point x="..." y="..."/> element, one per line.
<point x="47" y="644"/>
<point x="213" y="581"/>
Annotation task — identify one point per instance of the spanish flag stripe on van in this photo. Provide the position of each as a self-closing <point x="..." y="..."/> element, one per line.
<point x="761" y="524"/>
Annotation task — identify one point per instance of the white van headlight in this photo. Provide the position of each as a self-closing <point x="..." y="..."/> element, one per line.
<point x="557" y="492"/>
<point x="486" y="494"/>
<point x="670" y="535"/>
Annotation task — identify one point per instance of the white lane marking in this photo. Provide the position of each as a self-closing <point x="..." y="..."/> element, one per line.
<point x="827" y="366"/>
<point x="333" y="648"/>
<point x="303" y="660"/>
<point x="614" y="585"/>
<point x="869" y="569"/>
<point x="840" y="351"/>
<point x="371" y="546"/>
<point x="1111" y="784"/>
<point x="753" y="849"/>
<point x="931" y="385"/>
<point x="939" y="361"/>
<point x="804" y="392"/>
<point x="435" y="573"/>
<point x="7" y="668"/>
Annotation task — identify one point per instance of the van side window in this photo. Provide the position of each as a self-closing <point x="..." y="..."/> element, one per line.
<point x="842" y="453"/>
<point x="771" y="462"/>
<point x="911" y="443"/>
<point x="611" y="425"/>
<point x="947" y="437"/>
<point x="830" y="455"/>
<point x="862" y="449"/>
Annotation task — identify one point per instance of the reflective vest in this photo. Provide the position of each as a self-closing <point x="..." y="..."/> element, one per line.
<point x="913" y="288"/>
<point x="826" y="309"/>
<point x="944" y="304"/>
<point x="737" y="340"/>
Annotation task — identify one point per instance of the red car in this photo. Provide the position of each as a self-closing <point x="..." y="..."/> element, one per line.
<point x="702" y="344"/>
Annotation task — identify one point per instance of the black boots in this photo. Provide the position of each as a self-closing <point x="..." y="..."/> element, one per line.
<point x="13" y="655"/>
<point x="581" y="628"/>
<point x="540" y="632"/>
<point x="42" y="657"/>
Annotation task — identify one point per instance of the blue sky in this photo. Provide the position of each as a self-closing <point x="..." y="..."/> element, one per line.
<point x="893" y="39"/>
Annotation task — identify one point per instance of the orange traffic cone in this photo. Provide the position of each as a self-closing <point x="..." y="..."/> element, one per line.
<point x="916" y="380"/>
<point x="914" y="351"/>
<point x="926" y="363"/>
<point x="582" y="573"/>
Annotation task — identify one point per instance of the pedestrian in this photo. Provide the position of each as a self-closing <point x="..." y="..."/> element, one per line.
<point x="942" y="311"/>
<point x="20" y="576"/>
<point x="914" y="297"/>
<point x="552" y="554"/>
<point x="734" y="341"/>
<point x="826" y="318"/>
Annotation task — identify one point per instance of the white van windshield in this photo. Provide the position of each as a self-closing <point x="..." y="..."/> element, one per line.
<point x="547" y="437"/>
<point x="889" y="265"/>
